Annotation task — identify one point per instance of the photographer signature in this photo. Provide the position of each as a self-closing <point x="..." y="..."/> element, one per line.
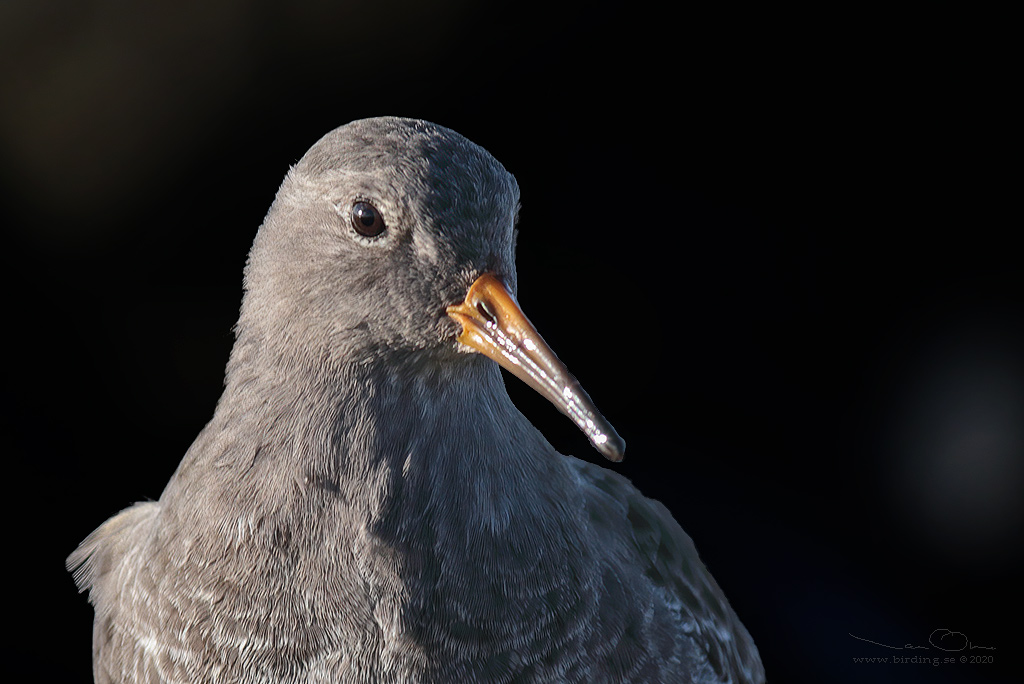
<point x="942" y="639"/>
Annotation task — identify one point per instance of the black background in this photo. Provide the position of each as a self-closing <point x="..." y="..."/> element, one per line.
<point x="777" y="247"/>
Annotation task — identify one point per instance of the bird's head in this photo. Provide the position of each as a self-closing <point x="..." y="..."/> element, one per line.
<point x="394" y="238"/>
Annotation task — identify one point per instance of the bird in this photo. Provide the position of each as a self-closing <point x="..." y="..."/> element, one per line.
<point x="366" y="503"/>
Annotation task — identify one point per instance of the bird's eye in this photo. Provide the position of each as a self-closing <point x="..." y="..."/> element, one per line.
<point x="367" y="220"/>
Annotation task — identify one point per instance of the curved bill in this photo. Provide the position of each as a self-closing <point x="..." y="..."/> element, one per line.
<point x="494" y="325"/>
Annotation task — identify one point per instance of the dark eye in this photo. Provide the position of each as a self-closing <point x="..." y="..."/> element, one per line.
<point x="367" y="220"/>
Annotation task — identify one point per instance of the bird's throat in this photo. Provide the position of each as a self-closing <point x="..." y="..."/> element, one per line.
<point x="410" y="452"/>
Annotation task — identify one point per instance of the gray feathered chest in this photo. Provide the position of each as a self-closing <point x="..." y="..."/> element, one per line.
<point x="271" y="559"/>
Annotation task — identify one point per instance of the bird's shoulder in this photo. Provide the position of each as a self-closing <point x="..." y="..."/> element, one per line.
<point x="646" y="530"/>
<point x="107" y="565"/>
<point x="97" y="559"/>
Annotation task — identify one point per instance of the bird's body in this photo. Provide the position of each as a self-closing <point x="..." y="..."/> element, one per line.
<point x="366" y="504"/>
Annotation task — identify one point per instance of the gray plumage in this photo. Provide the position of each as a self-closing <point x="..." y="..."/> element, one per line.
<point x="367" y="505"/>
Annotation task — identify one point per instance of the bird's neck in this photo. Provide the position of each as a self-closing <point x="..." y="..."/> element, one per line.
<point x="410" y="452"/>
<point x="417" y="501"/>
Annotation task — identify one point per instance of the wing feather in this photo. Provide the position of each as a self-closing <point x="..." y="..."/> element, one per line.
<point x="669" y="559"/>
